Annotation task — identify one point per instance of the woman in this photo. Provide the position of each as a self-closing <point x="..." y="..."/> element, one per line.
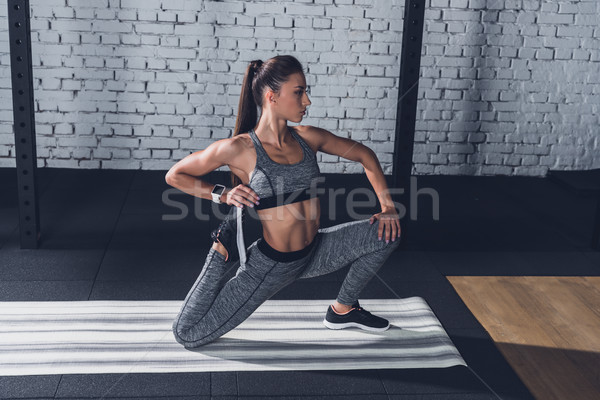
<point x="270" y="159"/>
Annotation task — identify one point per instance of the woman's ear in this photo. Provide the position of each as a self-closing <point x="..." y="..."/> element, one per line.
<point x="271" y="96"/>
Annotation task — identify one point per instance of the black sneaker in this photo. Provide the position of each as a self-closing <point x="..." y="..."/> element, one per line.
<point x="226" y="234"/>
<point x="357" y="317"/>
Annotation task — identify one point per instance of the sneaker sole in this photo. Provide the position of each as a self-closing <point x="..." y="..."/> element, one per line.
<point x="354" y="324"/>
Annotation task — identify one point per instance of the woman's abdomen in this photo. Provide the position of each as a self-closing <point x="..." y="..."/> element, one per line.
<point x="293" y="226"/>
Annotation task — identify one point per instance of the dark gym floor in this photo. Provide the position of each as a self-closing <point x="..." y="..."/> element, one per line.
<point x="103" y="237"/>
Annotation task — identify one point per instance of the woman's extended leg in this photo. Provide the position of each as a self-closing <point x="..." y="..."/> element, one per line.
<point x="355" y="243"/>
<point x="211" y="309"/>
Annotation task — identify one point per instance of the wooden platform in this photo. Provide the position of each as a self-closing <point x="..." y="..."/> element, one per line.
<point x="548" y="328"/>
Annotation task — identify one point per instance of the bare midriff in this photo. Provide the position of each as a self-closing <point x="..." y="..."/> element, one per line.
<point x="291" y="227"/>
<point x="288" y="227"/>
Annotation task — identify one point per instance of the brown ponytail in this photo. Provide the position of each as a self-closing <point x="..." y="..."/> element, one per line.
<point x="270" y="74"/>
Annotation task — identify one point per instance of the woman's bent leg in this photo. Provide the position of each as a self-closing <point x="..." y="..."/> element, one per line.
<point x="209" y="311"/>
<point x="202" y="294"/>
<point x="355" y="243"/>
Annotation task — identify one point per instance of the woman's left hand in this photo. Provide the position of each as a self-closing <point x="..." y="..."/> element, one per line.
<point x="389" y="219"/>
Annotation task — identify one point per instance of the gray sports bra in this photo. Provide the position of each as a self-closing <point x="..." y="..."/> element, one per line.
<point x="279" y="184"/>
<point x="272" y="180"/>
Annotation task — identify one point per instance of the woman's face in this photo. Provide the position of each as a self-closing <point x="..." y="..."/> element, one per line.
<point x="292" y="98"/>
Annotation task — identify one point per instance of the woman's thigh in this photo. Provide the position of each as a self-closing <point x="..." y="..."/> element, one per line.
<point x="241" y="295"/>
<point x="341" y="244"/>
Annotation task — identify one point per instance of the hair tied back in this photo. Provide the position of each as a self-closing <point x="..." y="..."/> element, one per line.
<point x="256" y="64"/>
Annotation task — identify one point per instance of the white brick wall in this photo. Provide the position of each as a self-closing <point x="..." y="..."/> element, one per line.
<point x="507" y="86"/>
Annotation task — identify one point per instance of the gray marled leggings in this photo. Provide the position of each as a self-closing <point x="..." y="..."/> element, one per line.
<point x="211" y="308"/>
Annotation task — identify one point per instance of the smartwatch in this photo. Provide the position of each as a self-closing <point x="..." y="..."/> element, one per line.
<point x="217" y="192"/>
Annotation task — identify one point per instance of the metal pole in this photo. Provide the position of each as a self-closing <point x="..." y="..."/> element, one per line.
<point x="24" y="121"/>
<point x="410" y="64"/>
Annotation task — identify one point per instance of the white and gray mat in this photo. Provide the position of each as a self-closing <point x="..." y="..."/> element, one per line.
<point x="97" y="337"/>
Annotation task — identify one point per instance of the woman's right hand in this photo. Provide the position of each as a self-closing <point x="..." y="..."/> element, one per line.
<point x="239" y="196"/>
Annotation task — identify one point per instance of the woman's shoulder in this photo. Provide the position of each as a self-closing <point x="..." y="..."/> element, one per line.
<point x="240" y="141"/>
<point x="238" y="154"/>
<point x="310" y="134"/>
<point x="231" y="148"/>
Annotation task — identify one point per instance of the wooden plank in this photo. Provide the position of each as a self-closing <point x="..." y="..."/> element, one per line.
<point x="548" y="329"/>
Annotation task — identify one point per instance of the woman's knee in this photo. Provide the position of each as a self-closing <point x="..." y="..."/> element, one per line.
<point x="186" y="338"/>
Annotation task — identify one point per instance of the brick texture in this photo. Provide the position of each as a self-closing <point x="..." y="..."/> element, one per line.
<point x="507" y="87"/>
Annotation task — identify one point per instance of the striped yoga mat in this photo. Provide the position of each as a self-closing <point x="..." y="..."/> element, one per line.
<point x="96" y="337"/>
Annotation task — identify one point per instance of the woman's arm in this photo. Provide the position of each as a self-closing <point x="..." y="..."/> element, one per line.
<point x="389" y="228"/>
<point x="375" y="175"/>
<point x="355" y="151"/>
<point x="184" y="174"/>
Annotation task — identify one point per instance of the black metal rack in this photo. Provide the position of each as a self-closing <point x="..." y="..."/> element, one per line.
<point x="24" y="121"/>
<point x="408" y="89"/>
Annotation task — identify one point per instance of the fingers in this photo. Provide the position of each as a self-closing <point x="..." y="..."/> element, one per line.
<point x="384" y="229"/>
<point x="237" y="200"/>
<point x="242" y="195"/>
<point x="395" y="234"/>
<point x="395" y="230"/>
<point x="388" y="229"/>
<point x="251" y="195"/>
